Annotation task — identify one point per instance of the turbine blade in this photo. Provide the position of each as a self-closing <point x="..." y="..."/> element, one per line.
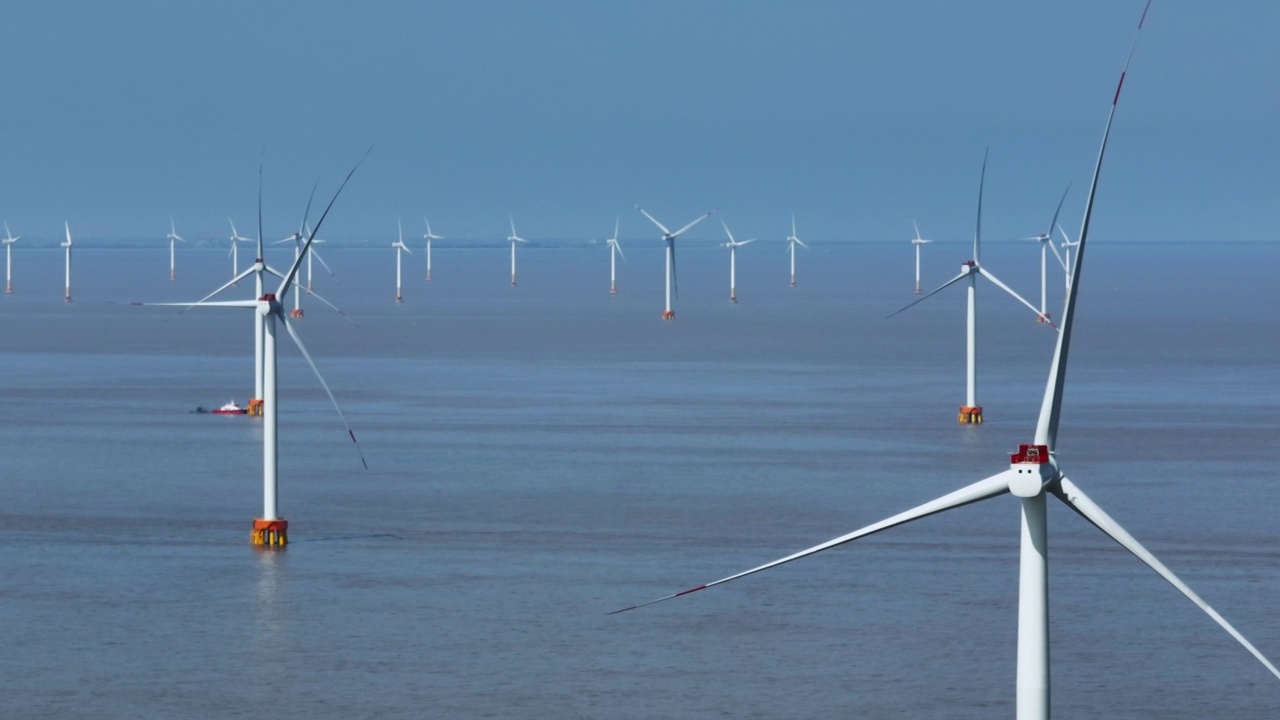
<point x="326" y="302"/>
<point x="982" y="181"/>
<point x="202" y="301"/>
<point x="981" y="490"/>
<point x="682" y="230"/>
<point x="1075" y="499"/>
<point x="324" y="264"/>
<point x="983" y="272"/>
<point x="1059" y="210"/>
<point x="675" y="286"/>
<point x="1058" y="255"/>
<point x="1051" y="405"/>
<point x="297" y="262"/>
<point x="940" y="288"/>
<point x="726" y="231"/>
<point x="303" y="349"/>
<point x="654" y="220"/>
<point x="801" y="243"/>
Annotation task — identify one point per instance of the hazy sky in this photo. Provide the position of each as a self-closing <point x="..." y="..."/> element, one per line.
<point x="857" y="116"/>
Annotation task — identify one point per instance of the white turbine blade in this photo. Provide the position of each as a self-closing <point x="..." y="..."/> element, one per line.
<point x="1070" y="494"/>
<point x="982" y="181"/>
<point x="272" y="271"/>
<point x="1051" y="405"/>
<point x="801" y="243"/>
<point x="291" y="238"/>
<point x="940" y="288"/>
<point x="513" y="226"/>
<point x="321" y="298"/>
<point x="726" y="232"/>
<point x="793" y="226"/>
<point x="297" y="262"/>
<point x="324" y="264"/>
<point x="1058" y="211"/>
<point x="1058" y="255"/>
<point x="303" y="349"/>
<point x="917" y="227"/>
<point x="981" y="490"/>
<point x="202" y="303"/>
<point x="1066" y="238"/>
<point x="654" y="220"/>
<point x="615" y="229"/>
<point x="67" y="225"/>
<point x="983" y="271"/>
<point x="746" y="242"/>
<point x="682" y="230"/>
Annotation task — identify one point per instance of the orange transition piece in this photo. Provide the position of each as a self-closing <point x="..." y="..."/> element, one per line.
<point x="668" y="314"/>
<point x="255" y="407"/>
<point x="271" y="533"/>
<point x="295" y="313"/>
<point x="970" y="415"/>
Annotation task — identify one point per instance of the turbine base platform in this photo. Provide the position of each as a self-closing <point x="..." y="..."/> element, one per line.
<point x="793" y="281"/>
<point x="296" y="313"/>
<point x="255" y="407"/>
<point x="733" y="299"/>
<point x="917" y="290"/>
<point x="1042" y="318"/>
<point x="8" y="289"/>
<point x="668" y="314"/>
<point x="399" y="299"/>
<point x="970" y="415"/>
<point x="613" y="291"/>
<point x="428" y="277"/>
<point x="270" y="533"/>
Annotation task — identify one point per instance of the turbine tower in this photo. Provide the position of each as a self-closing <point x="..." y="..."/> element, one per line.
<point x="1046" y="243"/>
<point x="918" y="241"/>
<point x="733" y="246"/>
<point x="399" y="246"/>
<point x="67" y="245"/>
<point x="429" y="236"/>
<point x="1033" y="475"/>
<point x="513" y="239"/>
<point x="614" y="250"/>
<point x="792" y="241"/>
<point x="9" y="240"/>
<point x="971" y="411"/>
<point x="670" y="239"/>
<point x="172" y="237"/>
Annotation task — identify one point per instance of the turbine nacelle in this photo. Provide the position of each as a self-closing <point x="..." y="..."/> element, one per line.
<point x="1033" y="468"/>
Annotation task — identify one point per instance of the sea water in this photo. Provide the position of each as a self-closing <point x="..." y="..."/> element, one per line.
<point x="542" y="455"/>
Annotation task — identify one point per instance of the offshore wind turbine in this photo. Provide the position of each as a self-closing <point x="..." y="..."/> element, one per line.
<point x="1046" y="243"/>
<point x="733" y="246"/>
<point x="314" y="254"/>
<point x="67" y="246"/>
<point x="172" y="237"/>
<point x="272" y="530"/>
<point x="792" y="241"/>
<point x="235" y="248"/>
<point x="429" y="236"/>
<point x="917" y="242"/>
<point x="614" y="250"/>
<point x="513" y="239"/>
<point x="1067" y="244"/>
<point x="399" y="246"/>
<point x="971" y="411"/>
<point x="9" y="240"/>
<point x="670" y="239"/>
<point x="1033" y="474"/>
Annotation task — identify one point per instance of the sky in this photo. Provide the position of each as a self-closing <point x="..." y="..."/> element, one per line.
<point x="858" y="117"/>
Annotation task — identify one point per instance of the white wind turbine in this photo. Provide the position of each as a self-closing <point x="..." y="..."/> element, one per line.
<point x="614" y="250"/>
<point x="1033" y="474"/>
<point x="67" y="245"/>
<point x="918" y="241"/>
<point x="1046" y="244"/>
<point x="670" y="239"/>
<point x="1067" y="244"/>
<point x="399" y="246"/>
<point x="172" y="237"/>
<point x="792" y="241"/>
<point x="235" y="248"/>
<point x="271" y="529"/>
<point x="314" y="254"/>
<point x="971" y="411"/>
<point x="733" y="246"/>
<point x="513" y="239"/>
<point x="9" y="240"/>
<point x="429" y="236"/>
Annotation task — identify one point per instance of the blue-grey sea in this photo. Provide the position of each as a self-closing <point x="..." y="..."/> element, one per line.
<point x="542" y="455"/>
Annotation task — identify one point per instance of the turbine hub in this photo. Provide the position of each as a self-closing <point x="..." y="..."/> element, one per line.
<point x="1032" y="470"/>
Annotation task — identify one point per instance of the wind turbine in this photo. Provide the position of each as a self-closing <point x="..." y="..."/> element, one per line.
<point x="670" y="239"/>
<point x="399" y="246"/>
<point x="1033" y="474"/>
<point x="67" y="245"/>
<point x="1046" y="243"/>
<point x="9" y="240"/>
<point x="235" y="248"/>
<point x="614" y="250"/>
<point x="172" y="237"/>
<point x="918" y="241"/>
<point x="271" y="529"/>
<point x="315" y="255"/>
<point x="733" y="246"/>
<point x="429" y="236"/>
<point x="513" y="239"/>
<point x="1066" y="251"/>
<point x="792" y="241"/>
<point x="971" y="411"/>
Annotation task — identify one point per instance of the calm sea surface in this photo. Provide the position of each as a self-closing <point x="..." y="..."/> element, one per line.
<point x="542" y="455"/>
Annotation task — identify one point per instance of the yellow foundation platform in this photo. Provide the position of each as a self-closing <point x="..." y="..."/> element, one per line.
<point x="970" y="415"/>
<point x="255" y="407"/>
<point x="668" y="314"/>
<point x="271" y="533"/>
<point x="295" y="313"/>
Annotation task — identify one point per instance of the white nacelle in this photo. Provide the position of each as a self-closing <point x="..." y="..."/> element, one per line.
<point x="1032" y="468"/>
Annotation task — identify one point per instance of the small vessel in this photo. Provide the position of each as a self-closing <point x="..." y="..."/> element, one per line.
<point x="231" y="408"/>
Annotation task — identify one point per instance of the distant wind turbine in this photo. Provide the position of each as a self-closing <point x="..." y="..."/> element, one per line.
<point x="513" y="239"/>
<point x="67" y="245"/>
<point x="670" y="239"/>
<point x="614" y="250"/>
<point x="9" y="240"/>
<point x="918" y="241"/>
<point x="399" y="246"/>
<point x="1066" y="251"/>
<point x="792" y="241"/>
<point x="235" y="248"/>
<point x="733" y="246"/>
<point x="429" y="236"/>
<point x="172" y="237"/>
<point x="1033" y="475"/>
<point x="1046" y="243"/>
